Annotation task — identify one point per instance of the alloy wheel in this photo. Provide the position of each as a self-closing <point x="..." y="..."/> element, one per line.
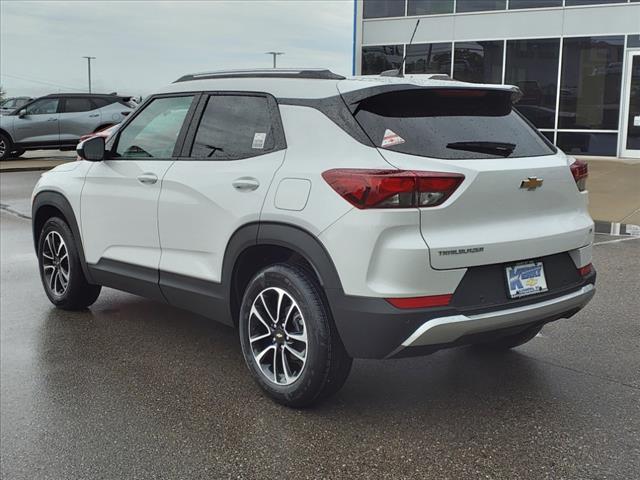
<point x="278" y="336"/>
<point x="55" y="263"/>
<point x="3" y="147"/>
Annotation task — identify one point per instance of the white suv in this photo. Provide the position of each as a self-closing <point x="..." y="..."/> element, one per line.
<point x="327" y="218"/>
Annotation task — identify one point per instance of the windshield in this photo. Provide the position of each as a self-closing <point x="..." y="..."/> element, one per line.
<point x="450" y="124"/>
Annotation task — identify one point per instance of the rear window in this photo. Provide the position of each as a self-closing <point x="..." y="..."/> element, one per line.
<point x="450" y="124"/>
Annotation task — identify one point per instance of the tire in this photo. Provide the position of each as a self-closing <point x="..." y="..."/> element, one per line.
<point x="17" y="153"/>
<point x="515" y="340"/>
<point x="303" y="326"/>
<point x="5" y="146"/>
<point x="70" y="290"/>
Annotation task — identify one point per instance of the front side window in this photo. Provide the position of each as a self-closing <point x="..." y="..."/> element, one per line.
<point x="74" y="105"/>
<point x="154" y="131"/>
<point x="234" y="127"/>
<point x="46" y="106"/>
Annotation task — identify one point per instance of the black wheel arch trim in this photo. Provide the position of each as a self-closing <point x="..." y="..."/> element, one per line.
<point x="49" y="198"/>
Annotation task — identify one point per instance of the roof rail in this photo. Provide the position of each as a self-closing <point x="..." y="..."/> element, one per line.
<point x="308" y="73"/>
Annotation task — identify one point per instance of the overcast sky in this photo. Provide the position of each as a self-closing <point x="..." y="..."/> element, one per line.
<point x="143" y="45"/>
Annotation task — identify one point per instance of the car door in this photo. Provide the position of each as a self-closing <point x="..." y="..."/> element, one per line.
<point x="78" y="116"/>
<point x="119" y="203"/>
<point x="39" y="124"/>
<point x="235" y="145"/>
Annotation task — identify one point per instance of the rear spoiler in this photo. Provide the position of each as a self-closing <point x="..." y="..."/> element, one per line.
<point x="354" y="97"/>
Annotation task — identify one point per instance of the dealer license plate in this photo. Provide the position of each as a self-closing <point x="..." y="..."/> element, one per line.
<point x="526" y="279"/>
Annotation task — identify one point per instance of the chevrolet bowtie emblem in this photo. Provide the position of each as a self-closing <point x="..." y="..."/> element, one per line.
<point x="531" y="183"/>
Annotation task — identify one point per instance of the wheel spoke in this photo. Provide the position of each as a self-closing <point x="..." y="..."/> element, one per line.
<point x="264" y="304"/>
<point x="52" y="280"/>
<point x="264" y="352"/>
<point x="259" y="337"/>
<point x="298" y="337"/>
<point x="48" y="267"/>
<point x="254" y="312"/>
<point x="295" y="353"/>
<point x="47" y="242"/>
<point x="60" y="247"/>
<point x="48" y="257"/>
<point x="275" y="365"/>
<point x="280" y="297"/>
<point x="286" y="318"/>
<point x="285" y="366"/>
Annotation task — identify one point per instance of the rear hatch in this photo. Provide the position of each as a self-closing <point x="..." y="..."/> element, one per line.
<point x="518" y="200"/>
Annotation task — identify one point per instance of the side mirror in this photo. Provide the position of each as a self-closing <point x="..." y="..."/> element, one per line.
<point x="92" y="149"/>
<point x="22" y="112"/>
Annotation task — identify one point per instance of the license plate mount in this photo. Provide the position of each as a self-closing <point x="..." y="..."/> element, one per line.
<point x="526" y="278"/>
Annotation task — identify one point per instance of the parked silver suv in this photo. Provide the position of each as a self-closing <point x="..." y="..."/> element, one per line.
<point x="58" y="121"/>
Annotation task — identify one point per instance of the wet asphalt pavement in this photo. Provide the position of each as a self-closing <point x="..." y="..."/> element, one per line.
<point x="136" y="389"/>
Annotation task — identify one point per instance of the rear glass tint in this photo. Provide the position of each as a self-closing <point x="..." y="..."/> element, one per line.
<point x="450" y="124"/>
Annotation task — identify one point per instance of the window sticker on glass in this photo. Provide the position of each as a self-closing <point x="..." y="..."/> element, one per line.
<point x="391" y="138"/>
<point x="258" y="140"/>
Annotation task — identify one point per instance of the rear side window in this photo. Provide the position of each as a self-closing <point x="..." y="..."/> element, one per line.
<point x="234" y="127"/>
<point x="450" y="124"/>
<point x="101" y="102"/>
<point x="73" y="105"/>
<point x="153" y="133"/>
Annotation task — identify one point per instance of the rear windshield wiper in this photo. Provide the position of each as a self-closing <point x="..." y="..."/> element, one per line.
<point x="492" y="148"/>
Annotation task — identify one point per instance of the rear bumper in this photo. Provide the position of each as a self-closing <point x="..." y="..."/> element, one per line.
<point x="372" y="328"/>
<point x="448" y="330"/>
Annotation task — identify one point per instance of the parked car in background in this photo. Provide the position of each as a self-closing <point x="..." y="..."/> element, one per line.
<point x="8" y="105"/>
<point x="58" y="121"/>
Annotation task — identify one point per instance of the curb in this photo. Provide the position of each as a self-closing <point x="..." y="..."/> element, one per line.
<point x="615" y="228"/>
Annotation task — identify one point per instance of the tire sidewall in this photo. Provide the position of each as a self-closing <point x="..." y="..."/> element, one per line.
<point x="8" y="146"/>
<point x="301" y="287"/>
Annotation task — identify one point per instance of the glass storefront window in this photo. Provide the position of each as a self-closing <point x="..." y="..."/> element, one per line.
<point x="377" y="59"/>
<point x="429" y="7"/>
<point x="479" y="62"/>
<point x="591" y="83"/>
<point x="382" y="8"/>
<point x="585" y="143"/>
<point x="572" y="3"/>
<point x="517" y="4"/>
<point x="480" y="5"/>
<point x="428" y="58"/>
<point x="532" y="65"/>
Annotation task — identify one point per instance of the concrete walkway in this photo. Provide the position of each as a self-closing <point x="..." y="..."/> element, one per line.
<point x="614" y="184"/>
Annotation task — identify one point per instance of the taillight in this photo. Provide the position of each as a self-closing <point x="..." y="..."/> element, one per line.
<point x="580" y="172"/>
<point x="392" y="188"/>
<point x="586" y="270"/>
<point x="421" y="302"/>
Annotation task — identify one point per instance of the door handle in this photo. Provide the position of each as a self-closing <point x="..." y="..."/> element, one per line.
<point x="94" y="115"/>
<point x="245" y="184"/>
<point x="52" y="120"/>
<point x="147" y="178"/>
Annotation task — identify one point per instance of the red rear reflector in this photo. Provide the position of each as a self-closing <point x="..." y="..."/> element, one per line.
<point x="421" y="302"/>
<point x="586" y="270"/>
<point x="580" y="172"/>
<point x="392" y="188"/>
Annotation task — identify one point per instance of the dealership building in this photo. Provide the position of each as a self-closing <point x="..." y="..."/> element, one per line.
<point x="577" y="62"/>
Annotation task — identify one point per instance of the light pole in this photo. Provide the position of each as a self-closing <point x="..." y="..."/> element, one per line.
<point x="275" y="54"/>
<point x="89" y="69"/>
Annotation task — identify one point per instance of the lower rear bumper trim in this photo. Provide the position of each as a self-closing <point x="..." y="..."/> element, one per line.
<point x="444" y="330"/>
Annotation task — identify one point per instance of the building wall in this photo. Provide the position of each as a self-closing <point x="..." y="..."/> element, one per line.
<point x="568" y="60"/>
